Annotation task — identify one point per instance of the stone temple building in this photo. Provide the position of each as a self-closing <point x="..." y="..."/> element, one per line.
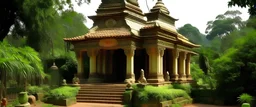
<point x="124" y="40"/>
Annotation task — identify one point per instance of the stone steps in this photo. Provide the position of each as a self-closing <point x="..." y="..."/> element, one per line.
<point x="101" y="93"/>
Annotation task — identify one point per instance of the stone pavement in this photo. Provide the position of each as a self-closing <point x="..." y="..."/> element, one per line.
<point x="95" y="105"/>
<point x="118" y="105"/>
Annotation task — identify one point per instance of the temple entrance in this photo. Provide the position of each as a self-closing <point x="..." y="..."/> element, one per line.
<point x="140" y="62"/>
<point x="119" y="66"/>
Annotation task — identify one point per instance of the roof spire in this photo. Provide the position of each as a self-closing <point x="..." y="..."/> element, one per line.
<point x="160" y="7"/>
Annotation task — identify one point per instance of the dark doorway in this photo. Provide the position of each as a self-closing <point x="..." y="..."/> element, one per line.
<point x="140" y="62"/>
<point x="119" y="66"/>
<point x="86" y="65"/>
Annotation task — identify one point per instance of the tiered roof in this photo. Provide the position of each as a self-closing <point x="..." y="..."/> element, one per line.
<point x="129" y="12"/>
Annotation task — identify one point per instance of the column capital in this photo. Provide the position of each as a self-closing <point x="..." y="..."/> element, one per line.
<point x="188" y="56"/>
<point x="185" y="55"/>
<point x="130" y="51"/>
<point x="175" y="53"/>
<point x="92" y="52"/>
<point x="159" y="50"/>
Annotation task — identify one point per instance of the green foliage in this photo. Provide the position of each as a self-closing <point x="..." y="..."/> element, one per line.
<point x="185" y="87"/>
<point x="35" y="89"/>
<point x="246" y="105"/>
<point x="244" y="3"/>
<point x="245" y="98"/>
<point x="25" y="17"/>
<point x="127" y="97"/>
<point x="158" y="94"/>
<point x="224" y="24"/>
<point x="22" y="61"/>
<point x="67" y="24"/>
<point x="192" y="33"/>
<point x="20" y="64"/>
<point x="63" y="92"/>
<point x="237" y="65"/>
<point x="13" y="103"/>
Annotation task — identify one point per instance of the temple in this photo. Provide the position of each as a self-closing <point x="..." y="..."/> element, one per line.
<point x="123" y="41"/>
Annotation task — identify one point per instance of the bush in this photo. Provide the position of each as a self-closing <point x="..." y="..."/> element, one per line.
<point x="158" y="94"/>
<point x="185" y="87"/>
<point x="245" y="98"/>
<point x="62" y="93"/>
<point x="34" y="89"/>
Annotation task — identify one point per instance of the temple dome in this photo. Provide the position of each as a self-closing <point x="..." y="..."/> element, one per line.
<point x="160" y="7"/>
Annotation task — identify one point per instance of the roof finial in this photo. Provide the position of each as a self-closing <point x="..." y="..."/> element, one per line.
<point x="161" y="7"/>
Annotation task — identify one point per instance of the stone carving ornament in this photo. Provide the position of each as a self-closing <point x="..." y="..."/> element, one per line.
<point x="110" y="23"/>
<point x="167" y="76"/>
<point x="142" y="78"/>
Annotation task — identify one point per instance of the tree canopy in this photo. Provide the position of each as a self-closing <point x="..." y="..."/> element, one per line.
<point x="224" y="24"/>
<point x="251" y="4"/>
<point x="21" y="17"/>
<point x="192" y="33"/>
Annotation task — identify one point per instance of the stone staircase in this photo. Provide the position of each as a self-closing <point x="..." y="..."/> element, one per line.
<point x="101" y="93"/>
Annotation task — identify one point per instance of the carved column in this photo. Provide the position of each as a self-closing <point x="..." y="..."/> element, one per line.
<point x="99" y="63"/>
<point x="182" y="65"/>
<point x="103" y="62"/>
<point x="175" y="56"/>
<point x="188" y="67"/>
<point x="92" y="53"/>
<point x="155" y="64"/>
<point x="79" y="57"/>
<point x="129" y="52"/>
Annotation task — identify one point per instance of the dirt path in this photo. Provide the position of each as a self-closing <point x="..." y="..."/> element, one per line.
<point x="206" y="105"/>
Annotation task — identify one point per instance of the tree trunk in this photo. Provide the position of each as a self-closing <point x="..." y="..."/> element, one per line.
<point x="3" y="84"/>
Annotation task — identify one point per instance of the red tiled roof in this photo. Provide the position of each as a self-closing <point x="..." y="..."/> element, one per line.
<point x="104" y="33"/>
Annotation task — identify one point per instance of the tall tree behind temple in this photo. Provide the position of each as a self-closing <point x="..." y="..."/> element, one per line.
<point x="251" y="4"/>
<point x="67" y="24"/>
<point x="192" y="33"/>
<point x="28" y="17"/>
<point x="224" y="24"/>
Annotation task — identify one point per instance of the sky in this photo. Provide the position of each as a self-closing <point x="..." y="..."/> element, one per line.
<point x="195" y="12"/>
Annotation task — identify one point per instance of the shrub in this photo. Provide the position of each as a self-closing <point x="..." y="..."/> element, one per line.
<point x="13" y="103"/>
<point x="185" y="87"/>
<point x="34" y="89"/>
<point x="158" y="94"/>
<point x="63" y="92"/>
<point x="245" y="98"/>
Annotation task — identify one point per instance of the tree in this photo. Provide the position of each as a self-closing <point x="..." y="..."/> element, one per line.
<point x="192" y="33"/>
<point x="245" y="3"/>
<point x="21" y="64"/>
<point x="237" y="65"/>
<point x="224" y="24"/>
<point x="68" y="24"/>
<point x="22" y="16"/>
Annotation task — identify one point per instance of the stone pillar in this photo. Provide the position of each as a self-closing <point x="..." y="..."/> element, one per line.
<point x="99" y="63"/>
<point x="129" y="52"/>
<point x="182" y="65"/>
<point x="189" y="78"/>
<point x="175" y="56"/>
<point x="79" y="57"/>
<point x="92" y="53"/>
<point x="155" y="65"/>
<point x="104" y="62"/>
